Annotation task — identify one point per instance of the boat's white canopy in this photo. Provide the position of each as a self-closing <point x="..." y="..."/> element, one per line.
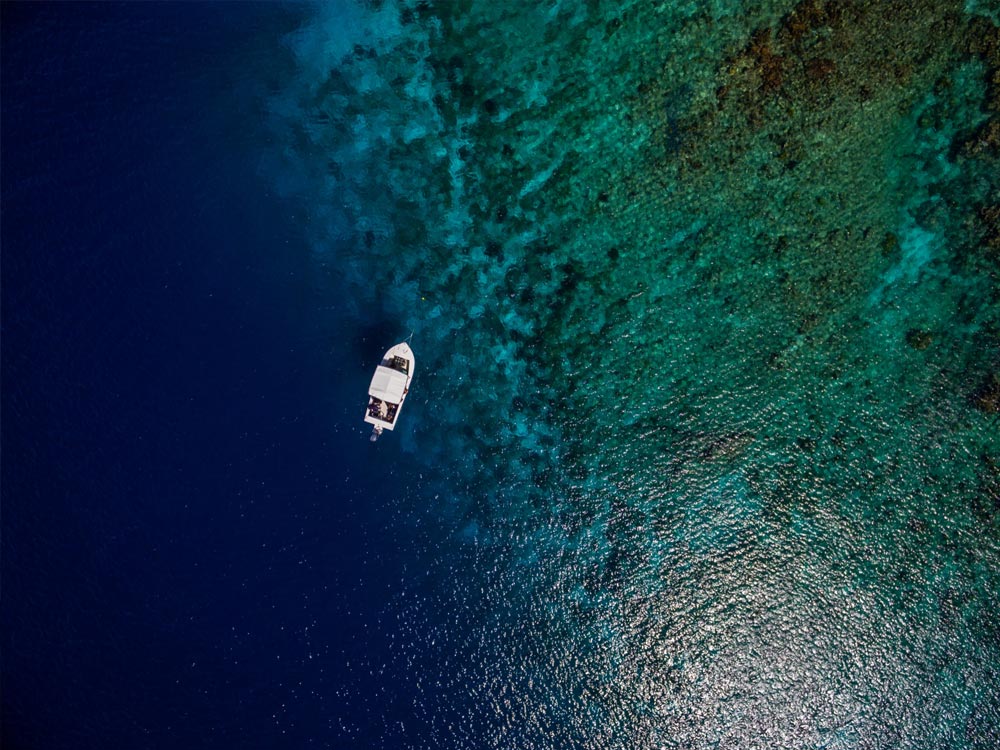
<point x="387" y="385"/>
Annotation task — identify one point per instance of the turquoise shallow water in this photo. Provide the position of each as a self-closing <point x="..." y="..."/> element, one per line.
<point x="705" y="304"/>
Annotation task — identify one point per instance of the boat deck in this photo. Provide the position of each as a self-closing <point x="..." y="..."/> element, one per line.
<point x="382" y="410"/>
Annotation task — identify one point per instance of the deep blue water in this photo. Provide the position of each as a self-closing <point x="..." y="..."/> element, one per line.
<point x="702" y="449"/>
<point x="191" y="551"/>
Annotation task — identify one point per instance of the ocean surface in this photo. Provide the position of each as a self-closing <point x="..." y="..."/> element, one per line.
<point x="703" y="445"/>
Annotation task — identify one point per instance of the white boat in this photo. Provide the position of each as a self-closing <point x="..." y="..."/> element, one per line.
<point x="388" y="389"/>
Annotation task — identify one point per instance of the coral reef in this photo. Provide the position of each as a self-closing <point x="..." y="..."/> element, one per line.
<point x="722" y="291"/>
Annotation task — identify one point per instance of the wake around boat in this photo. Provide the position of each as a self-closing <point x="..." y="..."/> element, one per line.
<point x="388" y="389"/>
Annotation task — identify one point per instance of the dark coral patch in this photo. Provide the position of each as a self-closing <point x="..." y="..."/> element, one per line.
<point x="769" y="65"/>
<point x="919" y="339"/>
<point x="820" y="68"/>
<point x="986" y="397"/>
<point x="810" y="16"/>
<point x="990" y="216"/>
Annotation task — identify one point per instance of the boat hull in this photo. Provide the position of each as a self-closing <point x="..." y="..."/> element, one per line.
<point x="389" y="387"/>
